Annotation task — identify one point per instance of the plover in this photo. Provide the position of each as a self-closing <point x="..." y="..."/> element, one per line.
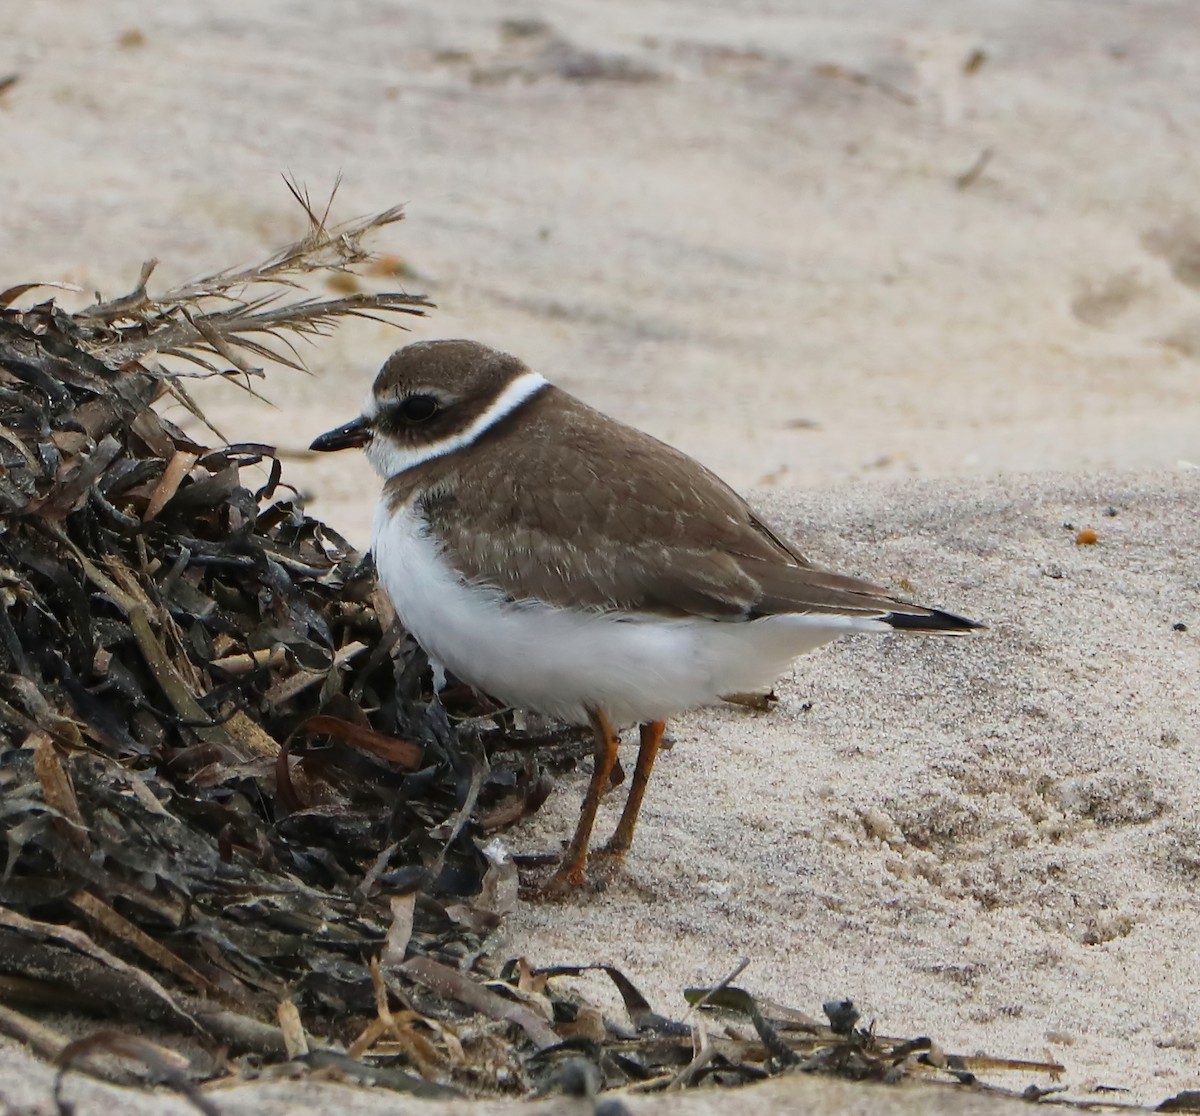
<point x="567" y="564"/>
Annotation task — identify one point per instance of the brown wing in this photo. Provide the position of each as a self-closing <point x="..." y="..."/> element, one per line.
<point x="574" y="508"/>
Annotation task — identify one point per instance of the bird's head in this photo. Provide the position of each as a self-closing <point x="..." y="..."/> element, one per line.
<point x="431" y="398"/>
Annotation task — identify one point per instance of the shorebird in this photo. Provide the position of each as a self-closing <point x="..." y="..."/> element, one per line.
<point x="565" y="563"/>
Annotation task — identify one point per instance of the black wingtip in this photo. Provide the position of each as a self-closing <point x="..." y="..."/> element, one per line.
<point x="933" y="621"/>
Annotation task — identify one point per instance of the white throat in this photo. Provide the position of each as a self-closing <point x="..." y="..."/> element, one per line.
<point x="391" y="459"/>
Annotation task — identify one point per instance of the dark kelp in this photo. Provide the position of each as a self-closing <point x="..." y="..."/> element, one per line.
<point x="231" y="807"/>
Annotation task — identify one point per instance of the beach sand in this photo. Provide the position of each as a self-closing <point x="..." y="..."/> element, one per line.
<point x="925" y="278"/>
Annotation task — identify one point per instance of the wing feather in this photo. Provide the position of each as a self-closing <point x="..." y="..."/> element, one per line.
<point x="621" y="522"/>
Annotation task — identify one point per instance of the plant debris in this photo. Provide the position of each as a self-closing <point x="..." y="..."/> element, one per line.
<point x="232" y="807"/>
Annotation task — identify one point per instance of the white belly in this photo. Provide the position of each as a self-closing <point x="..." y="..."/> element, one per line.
<point x="562" y="662"/>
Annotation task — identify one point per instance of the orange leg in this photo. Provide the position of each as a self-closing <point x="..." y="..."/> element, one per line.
<point x="570" y="872"/>
<point x="651" y="740"/>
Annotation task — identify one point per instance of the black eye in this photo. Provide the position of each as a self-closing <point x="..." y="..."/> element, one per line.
<point x="418" y="408"/>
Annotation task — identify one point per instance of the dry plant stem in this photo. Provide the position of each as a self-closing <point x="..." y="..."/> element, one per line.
<point x="570" y="872"/>
<point x="164" y="1064"/>
<point x="704" y="1054"/>
<point x="466" y="990"/>
<point x="651" y="735"/>
<point x="42" y="1040"/>
<point x="87" y="982"/>
<point x="734" y="973"/>
<point x="103" y="915"/>
<point x="47" y="951"/>
<point x="291" y="1028"/>
<point x="183" y="322"/>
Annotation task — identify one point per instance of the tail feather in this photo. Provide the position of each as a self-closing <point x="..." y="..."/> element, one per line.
<point x="934" y="620"/>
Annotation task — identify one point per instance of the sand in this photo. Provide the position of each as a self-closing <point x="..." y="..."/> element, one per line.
<point x="763" y="232"/>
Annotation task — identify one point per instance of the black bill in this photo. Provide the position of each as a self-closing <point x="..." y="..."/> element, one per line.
<point x="356" y="432"/>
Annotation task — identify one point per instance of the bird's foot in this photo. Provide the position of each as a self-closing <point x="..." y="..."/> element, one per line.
<point x="604" y="865"/>
<point x="610" y="854"/>
<point x="606" y="869"/>
<point x="566" y="881"/>
<point x="570" y="880"/>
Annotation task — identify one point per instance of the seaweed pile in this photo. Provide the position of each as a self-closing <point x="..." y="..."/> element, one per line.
<point x="231" y="807"/>
<point x="216" y="757"/>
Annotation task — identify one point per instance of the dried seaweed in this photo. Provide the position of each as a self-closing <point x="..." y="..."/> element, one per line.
<point x="231" y="806"/>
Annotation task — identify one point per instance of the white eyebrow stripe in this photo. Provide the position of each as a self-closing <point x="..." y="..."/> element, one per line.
<point x="391" y="460"/>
